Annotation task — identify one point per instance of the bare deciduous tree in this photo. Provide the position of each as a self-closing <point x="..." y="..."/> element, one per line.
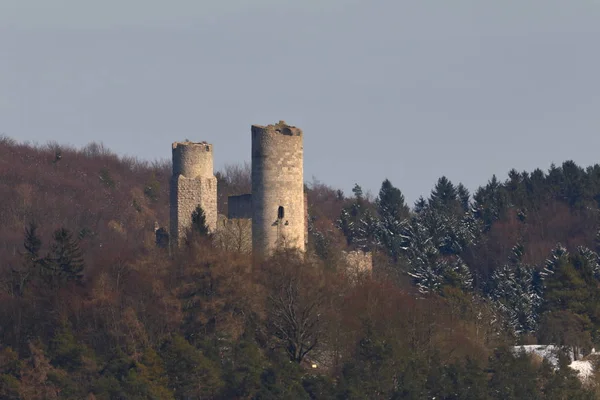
<point x="295" y="303"/>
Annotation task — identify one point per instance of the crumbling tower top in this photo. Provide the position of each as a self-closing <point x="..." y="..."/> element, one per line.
<point x="281" y="127"/>
<point x="278" y="214"/>
<point x="193" y="159"/>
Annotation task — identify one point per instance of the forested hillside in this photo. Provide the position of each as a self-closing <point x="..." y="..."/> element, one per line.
<point x="91" y="308"/>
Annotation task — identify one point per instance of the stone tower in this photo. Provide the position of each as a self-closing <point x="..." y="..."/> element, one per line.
<point x="278" y="214"/>
<point x="193" y="183"/>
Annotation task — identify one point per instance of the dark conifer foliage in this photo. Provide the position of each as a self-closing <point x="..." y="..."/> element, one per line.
<point x="92" y="308"/>
<point x="64" y="263"/>
<point x="392" y="212"/>
<point x="199" y="222"/>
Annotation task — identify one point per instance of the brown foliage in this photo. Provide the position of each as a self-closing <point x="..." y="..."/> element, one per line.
<point x="216" y="289"/>
<point x="324" y="202"/>
<point x="88" y="191"/>
<point x="557" y="223"/>
<point x="413" y="324"/>
<point x="298" y="298"/>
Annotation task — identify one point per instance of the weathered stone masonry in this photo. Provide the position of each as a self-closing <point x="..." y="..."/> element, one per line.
<point x="278" y="215"/>
<point x="193" y="183"/>
<point x="277" y="206"/>
<point x="274" y="214"/>
<point x="239" y="206"/>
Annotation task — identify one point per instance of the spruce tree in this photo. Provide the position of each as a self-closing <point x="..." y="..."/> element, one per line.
<point x="420" y="205"/>
<point x="392" y="210"/>
<point x="390" y="202"/>
<point x="32" y="242"/>
<point x="444" y="195"/>
<point x="490" y="203"/>
<point x="64" y="263"/>
<point x="199" y="222"/>
<point x="573" y="185"/>
<point x="31" y="259"/>
<point x="463" y="197"/>
<point x="514" y="289"/>
<point x="357" y="222"/>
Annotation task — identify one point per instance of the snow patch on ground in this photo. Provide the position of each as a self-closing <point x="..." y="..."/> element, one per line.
<point x="584" y="369"/>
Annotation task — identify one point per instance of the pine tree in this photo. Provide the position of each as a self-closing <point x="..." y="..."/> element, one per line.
<point x="556" y="255"/>
<point x="490" y="203"/>
<point x="464" y="197"/>
<point x="420" y="205"/>
<point x="357" y="222"/>
<point x="444" y="195"/>
<point x="358" y="192"/>
<point x="32" y="243"/>
<point x="573" y="184"/>
<point x="31" y="259"/>
<point x="64" y="263"/>
<point x="429" y="269"/>
<point x="392" y="210"/>
<point x="199" y="222"/>
<point x="515" y="292"/>
<point x="391" y="204"/>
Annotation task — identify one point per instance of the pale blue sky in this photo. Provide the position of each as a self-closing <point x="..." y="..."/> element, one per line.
<point x="408" y="90"/>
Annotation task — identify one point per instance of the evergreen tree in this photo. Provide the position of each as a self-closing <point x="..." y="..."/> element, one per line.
<point x="535" y="187"/>
<point x="199" y="222"/>
<point x="515" y="293"/>
<point x="563" y="383"/>
<point x="191" y="374"/>
<point x="444" y="196"/>
<point x="357" y="222"/>
<point x="571" y="297"/>
<point x="31" y="259"/>
<point x="64" y="263"/>
<point x="490" y="203"/>
<point x="32" y="242"/>
<point x="420" y="205"/>
<point x="429" y="269"/>
<point x="358" y="192"/>
<point x="392" y="210"/>
<point x="573" y="184"/>
<point x="390" y="202"/>
<point x="558" y="254"/>
<point x="463" y="197"/>
<point x="513" y="377"/>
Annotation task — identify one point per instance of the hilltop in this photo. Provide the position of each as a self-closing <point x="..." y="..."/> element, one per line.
<point x="92" y="308"/>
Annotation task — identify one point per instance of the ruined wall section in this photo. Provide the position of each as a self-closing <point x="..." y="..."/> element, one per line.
<point x="278" y="217"/>
<point x="239" y="206"/>
<point x="306" y="216"/>
<point x="193" y="183"/>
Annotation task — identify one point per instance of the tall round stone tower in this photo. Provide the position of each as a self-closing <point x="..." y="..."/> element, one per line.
<point x="278" y="213"/>
<point x="193" y="184"/>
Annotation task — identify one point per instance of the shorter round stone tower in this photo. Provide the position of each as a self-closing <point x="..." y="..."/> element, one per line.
<point x="278" y="213"/>
<point x="193" y="184"/>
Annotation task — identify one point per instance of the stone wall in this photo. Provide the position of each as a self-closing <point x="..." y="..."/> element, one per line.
<point x="305" y="219"/>
<point x="193" y="159"/>
<point x="193" y="183"/>
<point x="279" y="216"/>
<point x="239" y="206"/>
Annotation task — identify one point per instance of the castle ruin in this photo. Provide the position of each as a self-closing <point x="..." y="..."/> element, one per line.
<point x="278" y="212"/>
<point x="277" y="205"/>
<point x="193" y="184"/>
<point x="274" y="215"/>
